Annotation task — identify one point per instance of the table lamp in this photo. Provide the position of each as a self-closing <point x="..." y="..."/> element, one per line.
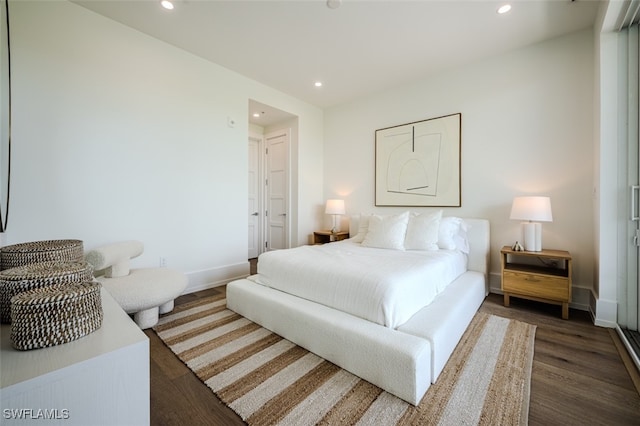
<point x="335" y="208"/>
<point x="533" y="210"/>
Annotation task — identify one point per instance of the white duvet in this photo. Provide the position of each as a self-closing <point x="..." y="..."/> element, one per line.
<point x="383" y="286"/>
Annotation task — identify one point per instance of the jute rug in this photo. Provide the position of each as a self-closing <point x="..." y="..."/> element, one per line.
<point x="268" y="380"/>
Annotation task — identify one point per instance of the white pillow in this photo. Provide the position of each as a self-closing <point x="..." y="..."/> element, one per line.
<point x="422" y="231"/>
<point x="363" y="226"/>
<point x="354" y="225"/>
<point x="387" y="231"/>
<point x="452" y="234"/>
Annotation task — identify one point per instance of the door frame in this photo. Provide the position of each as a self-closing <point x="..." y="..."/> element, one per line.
<point x="260" y="191"/>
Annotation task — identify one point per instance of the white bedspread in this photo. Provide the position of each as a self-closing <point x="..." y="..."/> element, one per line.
<point x="383" y="286"/>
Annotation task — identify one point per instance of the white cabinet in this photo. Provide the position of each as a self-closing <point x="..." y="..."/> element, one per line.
<point x="100" y="379"/>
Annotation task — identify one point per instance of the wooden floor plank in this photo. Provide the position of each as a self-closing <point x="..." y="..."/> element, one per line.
<point x="627" y="359"/>
<point x="578" y="376"/>
<point x="178" y="397"/>
<point x="581" y="358"/>
<point x="589" y="405"/>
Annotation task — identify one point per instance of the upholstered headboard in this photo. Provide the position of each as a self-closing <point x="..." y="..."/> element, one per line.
<point x="479" y="236"/>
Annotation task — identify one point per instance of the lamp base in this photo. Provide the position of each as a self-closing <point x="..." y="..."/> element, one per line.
<point x="335" y="229"/>
<point x="532" y="236"/>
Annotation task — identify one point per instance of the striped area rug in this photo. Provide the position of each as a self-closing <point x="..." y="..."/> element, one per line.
<point x="268" y="380"/>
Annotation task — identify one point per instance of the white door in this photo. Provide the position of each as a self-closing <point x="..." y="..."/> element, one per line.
<point x="255" y="197"/>
<point x="277" y="189"/>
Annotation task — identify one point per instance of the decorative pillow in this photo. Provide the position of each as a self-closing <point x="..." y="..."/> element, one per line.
<point x="362" y="223"/>
<point x="452" y="234"/>
<point x="422" y="231"/>
<point x="387" y="231"/>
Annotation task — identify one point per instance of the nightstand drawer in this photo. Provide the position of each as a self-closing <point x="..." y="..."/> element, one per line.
<point x="543" y="286"/>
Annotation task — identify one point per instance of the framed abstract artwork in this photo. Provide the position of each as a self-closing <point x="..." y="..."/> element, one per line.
<point x="418" y="164"/>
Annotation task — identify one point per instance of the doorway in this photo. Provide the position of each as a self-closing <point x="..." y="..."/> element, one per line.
<point x="272" y="132"/>
<point x="268" y="192"/>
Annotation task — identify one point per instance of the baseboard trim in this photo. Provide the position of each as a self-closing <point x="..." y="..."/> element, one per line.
<point x="216" y="277"/>
<point x="603" y="311"/>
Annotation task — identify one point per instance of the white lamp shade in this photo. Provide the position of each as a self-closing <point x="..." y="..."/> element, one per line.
<point x="335" y="207"/>
<point x="536" y="209"/>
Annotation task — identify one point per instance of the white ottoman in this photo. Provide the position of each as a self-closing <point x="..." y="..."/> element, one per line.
<point x="146" y="292"/>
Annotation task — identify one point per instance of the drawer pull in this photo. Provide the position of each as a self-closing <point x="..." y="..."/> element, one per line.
<point x="531" y="279"/>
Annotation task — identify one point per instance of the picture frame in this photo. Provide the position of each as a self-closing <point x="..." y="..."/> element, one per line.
<point x="418" y="164"/>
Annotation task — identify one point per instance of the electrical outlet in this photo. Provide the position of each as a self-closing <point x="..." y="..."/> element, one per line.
<point x="163" y="262"/>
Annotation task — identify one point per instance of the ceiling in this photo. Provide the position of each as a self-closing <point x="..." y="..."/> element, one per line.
<point x="359" y="48"/>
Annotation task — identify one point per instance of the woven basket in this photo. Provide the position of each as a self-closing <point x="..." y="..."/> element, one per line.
<point x="54" y="315"/>
<point x="41" y="251"/>
<point x="38" y="275"/>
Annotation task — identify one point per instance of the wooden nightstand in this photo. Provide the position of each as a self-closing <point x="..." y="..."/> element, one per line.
<point x="323" y="237"/>
<point x="544" y="276"/>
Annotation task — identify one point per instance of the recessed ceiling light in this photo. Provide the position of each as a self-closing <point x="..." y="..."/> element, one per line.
<point x="167" y="4"/>
<point x="318" y="84"/>
<point x="256" y="114"/>
<point x="504" y="9"/>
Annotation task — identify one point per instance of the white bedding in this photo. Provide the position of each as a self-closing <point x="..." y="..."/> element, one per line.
<point x="383" y="286"/>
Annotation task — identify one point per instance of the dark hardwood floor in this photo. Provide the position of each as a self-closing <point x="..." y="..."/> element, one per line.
<point x="178" y="397"/>
<point x="578" y="376"/>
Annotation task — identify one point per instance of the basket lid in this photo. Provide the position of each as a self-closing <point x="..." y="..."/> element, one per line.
<point x="38" y="246"/>
<point x="44" y="270"/>
<point x="55" y="293"/>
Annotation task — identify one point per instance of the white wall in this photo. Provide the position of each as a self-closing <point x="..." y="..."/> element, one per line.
<point x="118" y="136"/>
<point x="526" y="130"/>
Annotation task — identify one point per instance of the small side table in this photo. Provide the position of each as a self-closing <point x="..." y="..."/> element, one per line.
<point x="544" y="276"/>
<point x="323" y="237"/>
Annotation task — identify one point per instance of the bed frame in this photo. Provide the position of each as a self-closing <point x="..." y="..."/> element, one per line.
<point x="404" y="361"/>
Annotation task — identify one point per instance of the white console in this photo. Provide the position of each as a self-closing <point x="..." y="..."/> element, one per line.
<point x="99" y="379"/>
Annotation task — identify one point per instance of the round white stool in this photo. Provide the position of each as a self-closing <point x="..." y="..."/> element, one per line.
<point x="146" y="293"/>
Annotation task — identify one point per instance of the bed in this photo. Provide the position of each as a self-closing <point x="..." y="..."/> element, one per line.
<point x="395" y="329"/>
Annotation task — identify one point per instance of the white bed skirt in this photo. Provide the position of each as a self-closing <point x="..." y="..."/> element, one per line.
<point x="403" y="362"/>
